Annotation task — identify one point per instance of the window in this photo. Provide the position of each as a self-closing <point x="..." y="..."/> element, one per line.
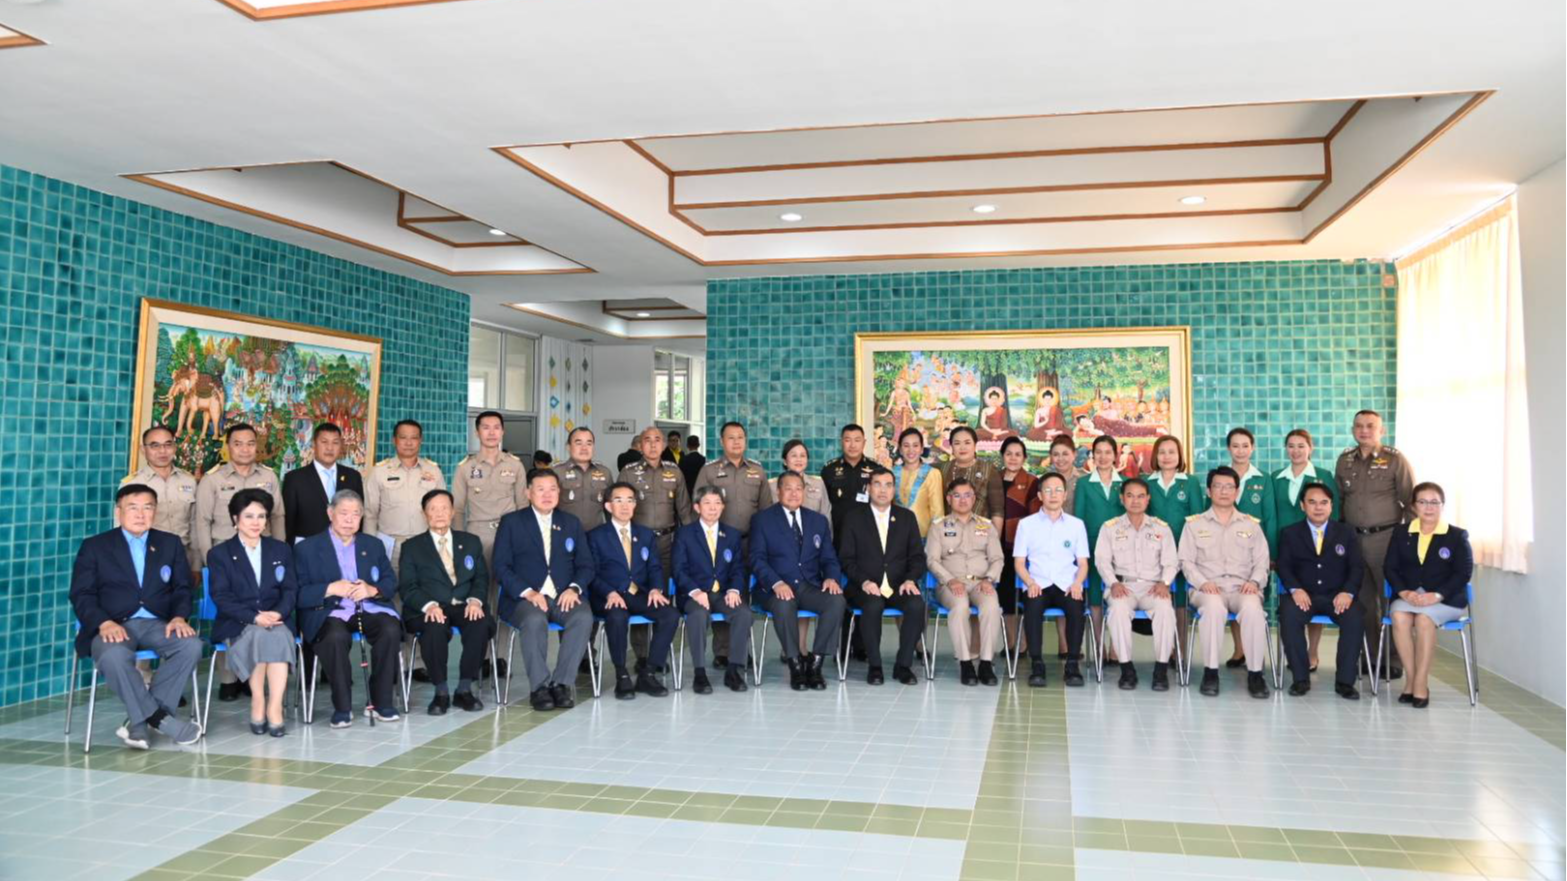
<point x="500" y="370"/>
<point x="672" y="386"/>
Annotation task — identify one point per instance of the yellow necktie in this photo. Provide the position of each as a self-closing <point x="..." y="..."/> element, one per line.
<point x="1316" y="535"/>
<point x="712" y="551"/>
<point x="625" y="544"/>
<point x="446" y="557"/>
<point x="881" y="530"/>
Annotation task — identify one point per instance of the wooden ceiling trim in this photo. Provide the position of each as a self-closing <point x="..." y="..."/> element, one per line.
<point x="322" y="7"/>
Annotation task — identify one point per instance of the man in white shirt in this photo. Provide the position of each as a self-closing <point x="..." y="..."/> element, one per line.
<point x="1051" y="557"/>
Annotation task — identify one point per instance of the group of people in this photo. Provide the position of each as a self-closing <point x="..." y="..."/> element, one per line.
<point x="299" y="568"/>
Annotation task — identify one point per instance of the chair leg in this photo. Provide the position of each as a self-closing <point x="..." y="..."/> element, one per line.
<point x="843" y="657"/>
<point x="596" y="660"/>
<point x="299" y="692"/>
<point x="310" y="689"/>
<point x="1012" y="648"/>
<point x="92" y="706"/>
<point x="761" y="654"/>
<point x="1474" y="693"/>
<point x="677" y="651"/>
<point x="1096" y="647"/>
<point x="404" y="677"/>
<point x="212" y="673"/>
<point x="511" y="644"/>
<point x="1191" y="639"/>
<point x="935" y="648"/>
<point x="495" y="671"/>
<point x="70" y="691"/>
<point x="1178" y="656"/>
<point x="406" y="681"/>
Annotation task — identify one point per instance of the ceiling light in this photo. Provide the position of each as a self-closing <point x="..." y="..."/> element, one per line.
<point x="984" y="209"/>
<point x="644" y="315"/>
<point x="791" y="217"/>
<point x="497" y="232"/>
<point x="1193" y="200"/>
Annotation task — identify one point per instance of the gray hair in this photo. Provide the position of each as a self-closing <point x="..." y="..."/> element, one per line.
<point x="346" y="495"/>
<point x="706" y="490"/>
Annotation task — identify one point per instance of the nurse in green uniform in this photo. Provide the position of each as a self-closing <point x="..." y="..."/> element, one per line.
<point x="1097" y="501"/>
<point x="1286" y="497"/>
<point x="1255" y="498"/>
<point x="1174" y="495"/>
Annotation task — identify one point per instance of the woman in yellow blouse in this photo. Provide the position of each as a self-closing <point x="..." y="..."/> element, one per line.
<point x="917" y="482"/>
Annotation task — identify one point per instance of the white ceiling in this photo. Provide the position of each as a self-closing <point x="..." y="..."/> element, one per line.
<point x="416" y="96"/>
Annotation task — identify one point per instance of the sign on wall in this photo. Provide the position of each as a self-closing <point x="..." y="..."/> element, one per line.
<point x="620" y="426"/>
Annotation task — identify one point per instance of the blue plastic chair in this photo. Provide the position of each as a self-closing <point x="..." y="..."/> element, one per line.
<point x="677" y="648"/>
<point x="207" y="610"/>
<point x="1137" y="615"/>
<point x="1195" y="616"/>
<point x="926" y="658"/>
<point x="1465" y="628"/>
<point x="315" y="678"/>
<point x="1278" y="637"/>
<point x="599" y="644"/>
<point x="511" y="643"/>
<point x="1014" y="651"/>
<point x="92" y="691"/>
<point x="933" y="634"/>
<point x="413" y="661"/>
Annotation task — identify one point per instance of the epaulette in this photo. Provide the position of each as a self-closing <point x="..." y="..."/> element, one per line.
<point x="387" y="462"/>
<point x="1246" y="515"/>
<point x="1157" y="520"/>
<point x="1192" y="517"/>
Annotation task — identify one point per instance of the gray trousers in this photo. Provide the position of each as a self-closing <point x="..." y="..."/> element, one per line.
<point x="829" y="611"/>
<point x="697" y="620"/>
<point x="535" y="627"/>
<point x="1373" y="549"/>
<point x="116" y="661"/>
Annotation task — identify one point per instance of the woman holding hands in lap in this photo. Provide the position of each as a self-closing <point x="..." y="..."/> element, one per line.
<point x="1429" y="566"/>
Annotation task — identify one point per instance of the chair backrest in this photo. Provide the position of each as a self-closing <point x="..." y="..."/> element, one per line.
<point x="388" y="541"/>
<point x="207" y="610"/>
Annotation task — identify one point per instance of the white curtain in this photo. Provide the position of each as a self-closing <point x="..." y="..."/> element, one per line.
<point x="1463" y="419"/>
<point x="565" y="399"/>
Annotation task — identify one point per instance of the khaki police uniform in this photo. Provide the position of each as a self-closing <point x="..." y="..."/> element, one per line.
<point x="663" y="503"/>
<point x="967" y="551"/>
<point x="393" y="497"/>
<point x="583" y="492"/>
<point x="990" y="494"/>
<point x="1138" y="557"/>
<point x="176" y="506"/>
<point x="483" y="493"/>
<point x="213" y="525"/>
<point x="744" y="487"/>
<point x="1227" y="555"/>
<point x="1376" y="494"/>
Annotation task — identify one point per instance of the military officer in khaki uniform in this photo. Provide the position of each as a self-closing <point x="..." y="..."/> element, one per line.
<point x="1137" y="560"/>
<point x="176" y="490"/>
<point x="663" y="503"/>
<point x="395" y="488"/>
<point x="990" y="494"/>
<point x="213" y="525"/>
<point x="1377" y="486"/>
<point x="1224" y="555"/>
<point x="964" y="553"/>
<point x="584" y="483"/>
<point x="487" y="486"/>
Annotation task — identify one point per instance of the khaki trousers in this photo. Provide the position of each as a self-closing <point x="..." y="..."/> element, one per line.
<point x="1250" y="615"/>
<point x="989" y="606"/>
<point x="1118" y="620"/>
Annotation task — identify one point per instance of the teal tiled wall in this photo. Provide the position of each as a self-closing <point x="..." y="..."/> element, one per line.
<point x="74" y="266"/>
<point x="1275" y="346"/>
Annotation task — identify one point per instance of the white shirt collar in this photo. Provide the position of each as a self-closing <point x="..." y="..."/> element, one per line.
<point x="709" y="529"/>
<point x="1288" y="472"/>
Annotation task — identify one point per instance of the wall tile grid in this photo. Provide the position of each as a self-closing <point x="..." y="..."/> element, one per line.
<point x="1275" y="345"/>
<point x="74" y="266"/>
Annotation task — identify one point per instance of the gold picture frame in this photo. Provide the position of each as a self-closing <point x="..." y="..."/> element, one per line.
<point x="1134" y="384"/>
<point x="199" y="370"/>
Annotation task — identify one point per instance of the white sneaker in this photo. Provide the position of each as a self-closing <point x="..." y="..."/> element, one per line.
<point x="124" y="734"/>
<point x="381" y="715"/>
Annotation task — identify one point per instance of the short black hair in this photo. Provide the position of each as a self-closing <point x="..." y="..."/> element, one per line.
<point x="247" y="497"/>
<point x="1359" y="413"/>
<point x="1316" y="485"/>
<point x="1051" y="475"/>
<point x="156" y="428"/>
<point x="480" y="418"/>
<point x="793" y="475"/>
<point x="413" y="422"/>
<point x="952" y="435"/>
<point x="542" y="458"/>
<point x="852" y="426"/>
<point x="693" y="442"/>
<point x="731" y="424"/>
<point x="239" y="426"/>
<point x="673" y="432"/>
<point x="619" y="484"/>
<point x="1107" y="439"/>
<point x="903" y="435"/>
<point x="959" y="483"/>
<point x="789" y="448"/>
<point x="135" y="489"/>
<point x="435" y="493"/>
<point x="1238" y="430"/>
<point x="1014" y="439"/>
<point x="1134" y="481"/>
<point x="1063" y="440"/>
<point x="573" y="433"/>
<point x="325" y="428"/>
<point x="1224" y="471"/>
<point x="541" y="473"/>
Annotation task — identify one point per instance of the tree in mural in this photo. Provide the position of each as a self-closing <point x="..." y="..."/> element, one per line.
<point x="337" y="396"/>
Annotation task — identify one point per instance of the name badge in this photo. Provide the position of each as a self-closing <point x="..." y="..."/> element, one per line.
<point x="467" y="562"/>
<point x="570" y="544"/>
<point x="475" y="474"/>
<point x="277" y="574"/>
<point x="166" y="573"/>
<point x="816" y="538"/>
<point x="644" y="553"/>
<point x="729" y="555"/>
<point x="1444" y="553"/>
<point x="862" y="497"/>
<point x="375" y="573"/>
<point x="951" y="533"/>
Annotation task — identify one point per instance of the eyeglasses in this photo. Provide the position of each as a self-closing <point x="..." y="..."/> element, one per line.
<point x="1053" y="490"/>
<point x="960" y="496"/>
<point x="1429" y="503"/>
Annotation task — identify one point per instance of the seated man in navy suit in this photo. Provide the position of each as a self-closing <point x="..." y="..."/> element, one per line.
<point x="795" y="568"/>
<point x="1320" y="568"/>
<point x="444" y="582"/>
<point x="628" y="580"/>
<point x="131" y="591"/>
<point x="710" y="578"/>
<point x="346" y="586"/>
<point x="541" y="583"/>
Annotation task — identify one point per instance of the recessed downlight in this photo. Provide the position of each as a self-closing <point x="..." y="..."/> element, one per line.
<point x="791" y="217"/>
<point x="984" y="209"/>
<point x="1193" y="200"/>
<point x="644" y="315"/>
<point x="497" y="232"/>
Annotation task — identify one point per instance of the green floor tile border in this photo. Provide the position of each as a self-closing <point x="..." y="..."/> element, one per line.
<point x="1519" y="706"/>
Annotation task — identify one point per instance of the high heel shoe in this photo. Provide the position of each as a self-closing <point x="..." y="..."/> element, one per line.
<point x="277" y="730"/>
<point x="1406" y="698"/>
<point x="258" y="728"/>
<point x="1421" y="703"/>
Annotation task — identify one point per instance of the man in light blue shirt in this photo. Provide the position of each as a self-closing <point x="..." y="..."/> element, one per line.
<point x="1051" y="556"/>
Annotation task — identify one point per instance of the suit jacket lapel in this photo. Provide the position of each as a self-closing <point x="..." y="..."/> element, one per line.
<point x="122" y="549"/>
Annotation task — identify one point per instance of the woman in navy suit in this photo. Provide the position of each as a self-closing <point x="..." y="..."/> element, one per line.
<point x="251" y="577"/>
<point x="1428" y="567"/>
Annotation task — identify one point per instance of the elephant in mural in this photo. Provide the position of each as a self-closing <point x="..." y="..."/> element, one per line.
<point x="198" y="393"/>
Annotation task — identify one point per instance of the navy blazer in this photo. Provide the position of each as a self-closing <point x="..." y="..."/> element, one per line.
<point x="610" y="573"/>
<point x="1448" y="568"/>
<point x="694" y="569"/>
<point x="315" y="560"/>
<point x="1338" y="569"/>
<point x="519" y="556"/>
<point x="232" y="584"/>
<point x="104" y="586"/>
<point x="776" y="556"/>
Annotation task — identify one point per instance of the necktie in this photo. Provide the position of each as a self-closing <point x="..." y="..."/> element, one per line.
<point x="712" y="550"/>
<point x="445" y="547"/>
<point x="625" y="544"/>
<point x="794" y="521"/>
<point x="1317" y="536"/>
<point x="881" y="531"/>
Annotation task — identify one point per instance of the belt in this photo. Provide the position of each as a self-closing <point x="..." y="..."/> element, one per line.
<point x="663" y="532"/>
<point x="1373" y="530"/>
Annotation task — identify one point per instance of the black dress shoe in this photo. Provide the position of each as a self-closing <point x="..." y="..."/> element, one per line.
<point x="228" y="692"/>
<point x="904" y="675"/>
<point x="987" y="673"/>
<point x="421" y="675"/>
<point x="699" y="683"/>
<point x="641" y="666"/>
<point x="540" y="699"/>
<point x="1036" y="675"/>
<point x="625" y="689"/>
<point x="1210" y="681"/>
<point x="799" y="679"/>
<point x="966" y="674"/>
<point x="1256" y="685"/>
<point x="464" y="700"/>
<point x="1061" y="656"/>
<point x="1297" y="689"/>
<point x="562" y="697"/>
<point x="1235" y="663"/>
<point x="858" y="654"/>
<point x="874" y="676"/>
<point x="1347" y="692"/>
<point x="258" y="728"/>
<point x="648" y="684"/>
<point x="1161" y="678"/>
<point x="1072" y="677"/>
<point x="1421" y="703"/>
<point x="1128" y="678"/>
<point x="439" y="705"/>
<point x="1406" y="698"/>
<point x="818" y="682"/>
<point x="734" y="679"/>
<point x="720" y="662"/>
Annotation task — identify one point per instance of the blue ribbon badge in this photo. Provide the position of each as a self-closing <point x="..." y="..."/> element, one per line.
<point x="375" y="573"/>
<point x="644" y="553"/>
<point x="277" y="574"/>
<point x="166" y="573"/>
<point x="468" y="562"/>
<point x="569" y="545"/>
<point x="1338" y="549"/>
<point x="729" y="555"/>
<point x="1444" y="553"/>
<point x="818" y="540"/>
